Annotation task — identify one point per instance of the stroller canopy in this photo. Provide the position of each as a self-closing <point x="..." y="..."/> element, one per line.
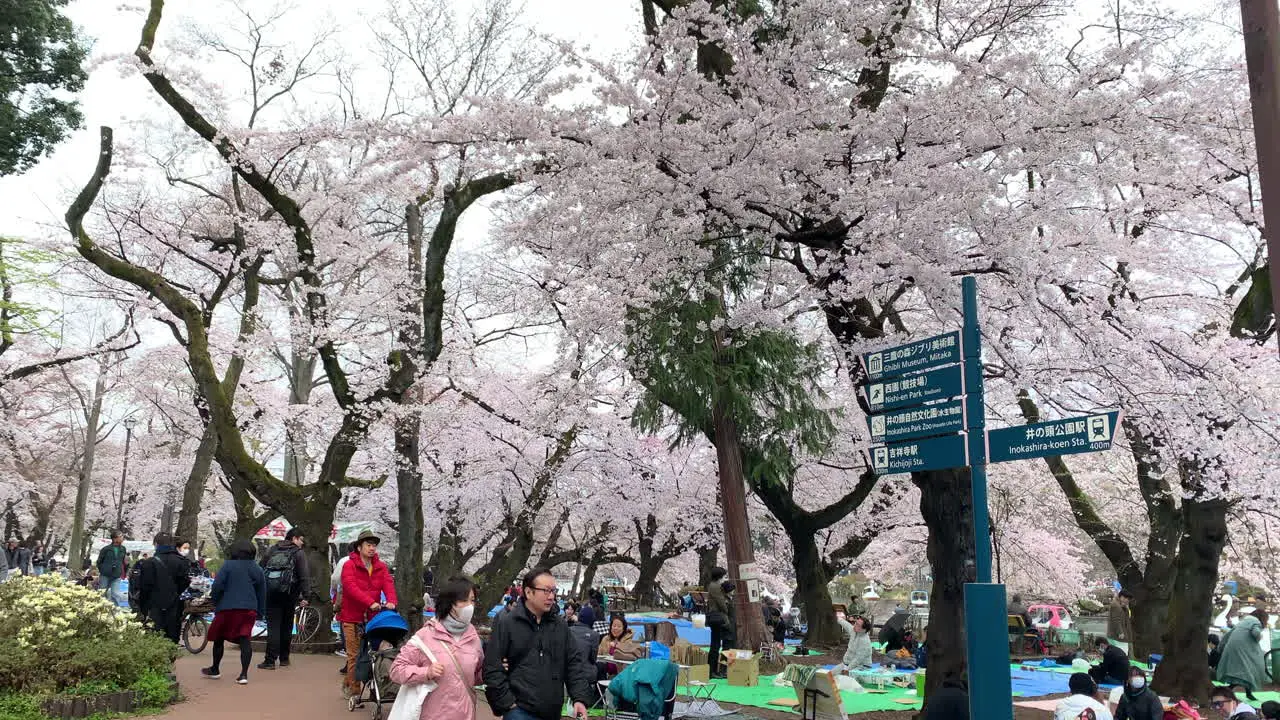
<point x="386" y="625"/>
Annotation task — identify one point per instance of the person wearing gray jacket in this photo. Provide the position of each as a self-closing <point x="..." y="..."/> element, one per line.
<point x="4" y="566"/>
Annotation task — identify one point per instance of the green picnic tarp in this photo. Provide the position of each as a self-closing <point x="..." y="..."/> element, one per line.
<point x="760" y="696"/>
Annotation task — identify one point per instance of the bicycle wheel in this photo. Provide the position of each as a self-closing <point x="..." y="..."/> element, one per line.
<point x="195" y="633"/>
<point x="306" y="623"/>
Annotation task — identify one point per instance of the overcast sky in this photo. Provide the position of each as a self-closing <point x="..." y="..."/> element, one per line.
<point x="33" y="204"/>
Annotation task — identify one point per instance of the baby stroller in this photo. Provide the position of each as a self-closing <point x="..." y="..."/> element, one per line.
<point x="383" y="636"/>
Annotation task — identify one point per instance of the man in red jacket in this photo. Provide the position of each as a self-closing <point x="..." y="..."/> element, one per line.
<point x="367" y="588"/>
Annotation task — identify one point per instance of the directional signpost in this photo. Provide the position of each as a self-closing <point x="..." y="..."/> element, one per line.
<point x="1091" y="433"/>
<point x="937" y="453"/>
<point x="945" y="382"/>
<point x="927" y="404"/>
<point x="936" y="419"/>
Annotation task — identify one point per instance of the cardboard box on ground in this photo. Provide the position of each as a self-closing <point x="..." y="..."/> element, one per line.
<point x="742" y="667"/>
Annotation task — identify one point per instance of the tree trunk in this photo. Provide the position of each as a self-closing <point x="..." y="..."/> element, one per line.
<point x="409" y="510"/>
<point x="1183" y="672"/>
<point x="737" y="528"/>
<point x="645" y="583"/>
<point x="707" y="559"/>
<point x="812" y="592"/>
<point x="77" y="554"/>
<point x="193" y="490"/>
<point x="946" y="505"/>
<point x="589" y="575"/>
<point x="408" y="427"/>
<point x="447" y="560"/>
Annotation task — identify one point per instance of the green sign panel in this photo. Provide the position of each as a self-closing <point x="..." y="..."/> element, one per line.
<point x="918" y="389"/>
<point x="913" y="357"/>
<point x="940" y="453"/>
<point x="937" y="419"/>
<point x="1089" y="433"/>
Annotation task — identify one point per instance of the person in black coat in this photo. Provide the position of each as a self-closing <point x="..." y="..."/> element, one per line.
<point x="1138" y="702"/>
<point x="162" y="580"/>
<point x="1114" y="668"/>
<point x="531" y="657"/>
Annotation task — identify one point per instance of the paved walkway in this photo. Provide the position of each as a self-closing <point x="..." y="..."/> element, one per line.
<point x="310" y="689"/>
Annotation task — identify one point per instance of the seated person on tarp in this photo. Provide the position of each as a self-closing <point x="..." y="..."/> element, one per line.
<point x="858" y="655"/>
<point x="1083" y="697"/>
<point x="894" y="633"/>
<point x="617" y="644"/>
<point x="1114" y="668"/>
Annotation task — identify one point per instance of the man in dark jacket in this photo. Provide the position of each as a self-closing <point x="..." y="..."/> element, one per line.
<point x="285" y="566"/>
<point x="720" y="619"/>
<point x="532" y="656"/>
<point x="113" y="563"/>
<point x="1114" y="668"/>
<point x="161" y="581"/>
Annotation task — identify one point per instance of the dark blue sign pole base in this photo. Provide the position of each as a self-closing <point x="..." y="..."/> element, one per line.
<point x="986" y="626"/>
<point x="985" y="611"/>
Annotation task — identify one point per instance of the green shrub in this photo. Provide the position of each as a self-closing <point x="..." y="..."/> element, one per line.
<point x="75" y="637"/>
<point x="20" y="707"/>
<point x="153" y="688"/>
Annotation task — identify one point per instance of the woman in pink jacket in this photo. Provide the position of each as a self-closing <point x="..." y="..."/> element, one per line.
<point x="459" y="659"/>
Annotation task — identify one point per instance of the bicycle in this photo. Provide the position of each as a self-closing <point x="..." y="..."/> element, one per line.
<point x="306" y="623"/>
<point x="195" y="625"/>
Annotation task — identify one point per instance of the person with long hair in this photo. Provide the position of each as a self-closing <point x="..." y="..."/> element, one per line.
<point x="619" y="644"/>
<point x="456" y="664"/>
<point x="239" y="598"/>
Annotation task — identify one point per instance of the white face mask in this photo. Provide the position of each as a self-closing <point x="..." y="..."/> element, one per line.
<point x="465" y="614"/>
<point x="1137" y="683"/>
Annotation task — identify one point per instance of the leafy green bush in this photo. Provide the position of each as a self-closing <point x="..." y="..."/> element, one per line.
<point x="76" y="639"/>
<point x="20" y="707"/>
<point x="153" y="689"/>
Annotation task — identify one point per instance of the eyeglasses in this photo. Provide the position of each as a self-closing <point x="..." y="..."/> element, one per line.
<point x="549" y="591"/>
<point x="1218" y="704"/>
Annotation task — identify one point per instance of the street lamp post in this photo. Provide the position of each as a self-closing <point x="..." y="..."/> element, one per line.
<point x="129" y="425"/>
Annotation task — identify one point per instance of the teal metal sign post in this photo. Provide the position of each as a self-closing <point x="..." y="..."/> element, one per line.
<point x="928" y="413"/>
<point x="986" y="621"/>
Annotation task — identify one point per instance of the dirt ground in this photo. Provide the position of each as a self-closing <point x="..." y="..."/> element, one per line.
<point x="311" y="689"/>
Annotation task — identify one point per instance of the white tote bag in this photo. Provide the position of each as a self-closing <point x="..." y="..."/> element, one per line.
<point x="409" y="700"/>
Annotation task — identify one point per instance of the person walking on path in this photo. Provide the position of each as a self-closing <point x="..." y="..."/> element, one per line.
<point x="39" y="560"/>
<point x="531" y="657"/>
<point x="456" y="664"/>
<point x="161" y="583"/>
<point x="1120" y="619"/>
<point x="18" y="557"/>
<point x="367" y="588"/>
<point x="239" y="598"/>
<point x="113" y="563"/>
<point x="285" y="568"/>
<point x="1242" y="661"/>
<point x="720" y="618"/>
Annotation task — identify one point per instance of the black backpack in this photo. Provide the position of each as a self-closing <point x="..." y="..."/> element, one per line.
<point x="280" y="572"/>
<point x="135" y="585"/>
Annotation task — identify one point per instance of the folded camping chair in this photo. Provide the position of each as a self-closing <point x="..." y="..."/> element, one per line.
<point x="645" y="690"/>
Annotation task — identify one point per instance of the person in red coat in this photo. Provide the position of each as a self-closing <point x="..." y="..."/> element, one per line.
<point x="367" y="589"/>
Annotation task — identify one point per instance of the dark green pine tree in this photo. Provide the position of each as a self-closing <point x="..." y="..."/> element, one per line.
<point x="41" y="67"/>
<point x="753" y="392"/>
